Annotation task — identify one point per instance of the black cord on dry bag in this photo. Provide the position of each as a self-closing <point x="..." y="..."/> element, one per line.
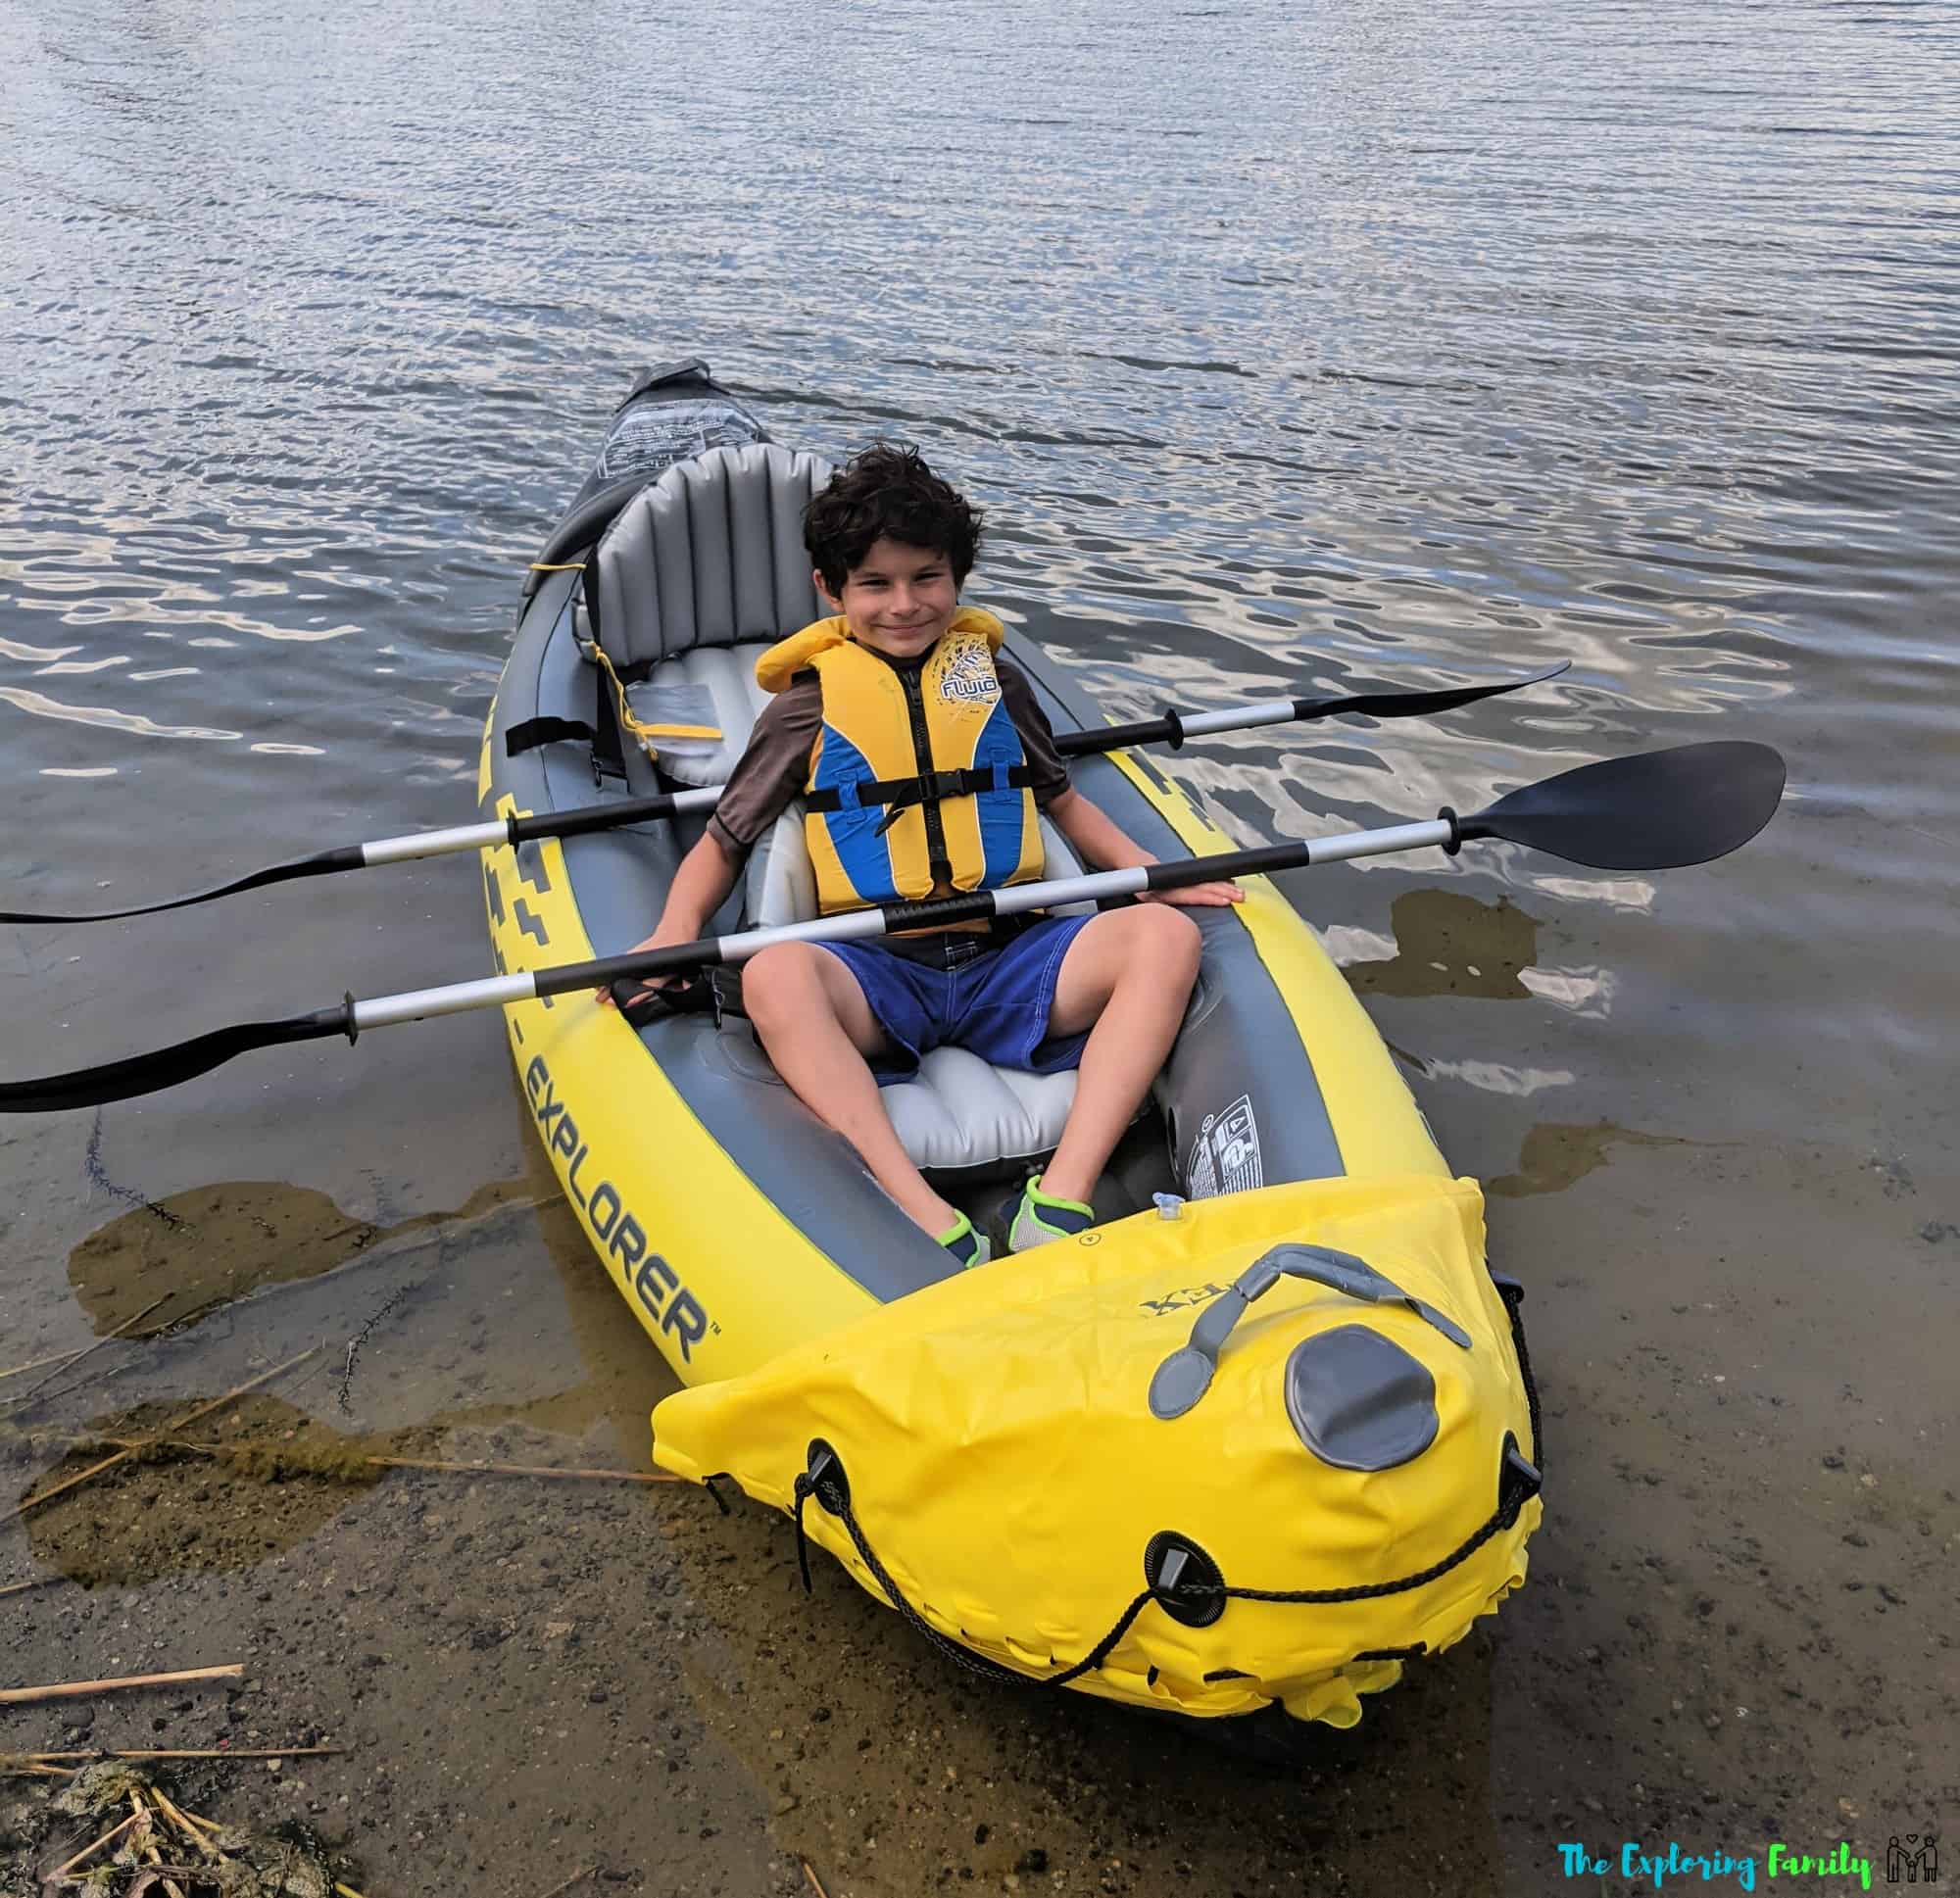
<point x="1185" y="1587"/>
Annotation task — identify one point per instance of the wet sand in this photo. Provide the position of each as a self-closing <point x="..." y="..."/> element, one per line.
<point x="1737" y="1624"/>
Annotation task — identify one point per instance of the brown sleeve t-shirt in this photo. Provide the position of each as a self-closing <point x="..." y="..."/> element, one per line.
<point x="775" y="767"/>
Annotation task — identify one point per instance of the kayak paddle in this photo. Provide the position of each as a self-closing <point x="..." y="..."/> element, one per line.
<point x="1171" y="727"/>
<point x="1655" y="812"/>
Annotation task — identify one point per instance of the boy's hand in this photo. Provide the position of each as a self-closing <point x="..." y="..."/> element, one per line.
<point x="1196" y="895"/>
<point x="603" y="995"/>
<point x="704" y="877"/>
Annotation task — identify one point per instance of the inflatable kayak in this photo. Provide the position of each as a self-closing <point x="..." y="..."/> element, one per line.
<point x="1257" y="1438"/>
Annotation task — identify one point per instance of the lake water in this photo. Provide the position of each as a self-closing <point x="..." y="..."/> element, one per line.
<point x="1287" y="347"/>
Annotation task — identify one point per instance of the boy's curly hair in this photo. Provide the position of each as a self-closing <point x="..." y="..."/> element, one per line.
<point x="888" y="492"/>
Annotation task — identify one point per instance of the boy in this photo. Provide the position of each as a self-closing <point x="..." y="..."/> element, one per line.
<point x="900" y="683"/>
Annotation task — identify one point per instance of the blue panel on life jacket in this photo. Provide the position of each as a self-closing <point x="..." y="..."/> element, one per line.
<point x="866" y="857"/>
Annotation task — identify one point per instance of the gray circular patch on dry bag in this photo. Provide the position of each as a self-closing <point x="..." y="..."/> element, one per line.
<point x="1358" y="1401"/>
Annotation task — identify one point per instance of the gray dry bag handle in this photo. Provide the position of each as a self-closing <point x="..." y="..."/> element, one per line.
<point x="1186" y="1375"/>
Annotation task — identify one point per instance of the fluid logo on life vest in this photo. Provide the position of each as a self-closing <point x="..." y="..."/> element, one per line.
<point x="966" y="678"/>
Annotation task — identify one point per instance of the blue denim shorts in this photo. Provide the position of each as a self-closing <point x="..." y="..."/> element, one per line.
<point x="993" y="1000"/>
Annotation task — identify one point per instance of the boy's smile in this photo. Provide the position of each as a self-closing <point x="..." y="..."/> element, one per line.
<point x="898" y="598"/>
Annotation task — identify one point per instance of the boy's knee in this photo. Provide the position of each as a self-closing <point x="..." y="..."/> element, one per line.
<point x="1171" y="934"/>
<point x="779" y="981"/>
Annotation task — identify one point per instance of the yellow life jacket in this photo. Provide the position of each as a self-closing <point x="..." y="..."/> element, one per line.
<point x="918" y="779"/>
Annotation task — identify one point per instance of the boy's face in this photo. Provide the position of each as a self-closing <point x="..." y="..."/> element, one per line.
<point x="898" y="598"/>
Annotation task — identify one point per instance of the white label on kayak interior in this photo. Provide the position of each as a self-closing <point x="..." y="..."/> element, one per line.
<point x="650" y="438"/>
<point x="1225" y="1155"/>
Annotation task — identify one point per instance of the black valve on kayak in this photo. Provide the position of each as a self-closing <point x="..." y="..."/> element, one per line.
<point x="1518" y="1481"/>
<point x="1184" y="1582"/>
<point x="1184" y="1376"/>
<point x="823" y="1478"/>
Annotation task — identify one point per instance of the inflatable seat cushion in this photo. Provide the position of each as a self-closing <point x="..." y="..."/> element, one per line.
<point x="710" y="554"/>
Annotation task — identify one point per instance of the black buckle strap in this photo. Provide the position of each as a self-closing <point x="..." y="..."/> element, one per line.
<point x="935" y="788"/>
<point x="932" y="788"/>
<point x="533" y="732"/>
<point x="601" y="734"/>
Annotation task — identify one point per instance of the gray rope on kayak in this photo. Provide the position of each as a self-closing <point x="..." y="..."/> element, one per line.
<point x="1518" y="1481"/>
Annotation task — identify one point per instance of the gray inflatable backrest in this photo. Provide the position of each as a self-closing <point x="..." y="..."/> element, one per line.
<point x="710" y="554"/>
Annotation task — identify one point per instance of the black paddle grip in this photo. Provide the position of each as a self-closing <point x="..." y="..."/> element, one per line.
<point x="575" y="823"/>
<point x="939" y="912"/>
<point x="1227" y="866"/>
<point x="1114" y="738"/>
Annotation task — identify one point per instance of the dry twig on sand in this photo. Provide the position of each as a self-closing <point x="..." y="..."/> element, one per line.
<point x="89" y="1850"/>
<point x="566" y="1884"/>
<point x="335" y="1463"/>
<point x="527" y="1470"/>
<point x="149" y="1848"/>
<point x="181" y="1753"/>
<point x="10" y="1696"/>
<point x="175" y="1815"/>
<point x="39" y="1581"/>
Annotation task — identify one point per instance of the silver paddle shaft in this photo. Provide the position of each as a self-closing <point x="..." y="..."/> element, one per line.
<point x="488" y="836"/>
<point x="858" y="925"/>
<point x="435" y="843"/>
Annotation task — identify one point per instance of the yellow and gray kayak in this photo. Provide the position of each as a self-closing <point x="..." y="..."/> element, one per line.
<point x="1259" y="1437"/>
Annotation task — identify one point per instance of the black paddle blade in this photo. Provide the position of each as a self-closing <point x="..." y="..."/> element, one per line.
<point x="1417" y="704"/>
<point x="146" y="1073"/>
<point x="324" y="863"/>
<point x="1659" y="810"/>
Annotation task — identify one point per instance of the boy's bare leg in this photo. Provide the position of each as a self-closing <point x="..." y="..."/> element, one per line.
<point x="1129" y="972"/>
<point x="818" y="1030"/>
